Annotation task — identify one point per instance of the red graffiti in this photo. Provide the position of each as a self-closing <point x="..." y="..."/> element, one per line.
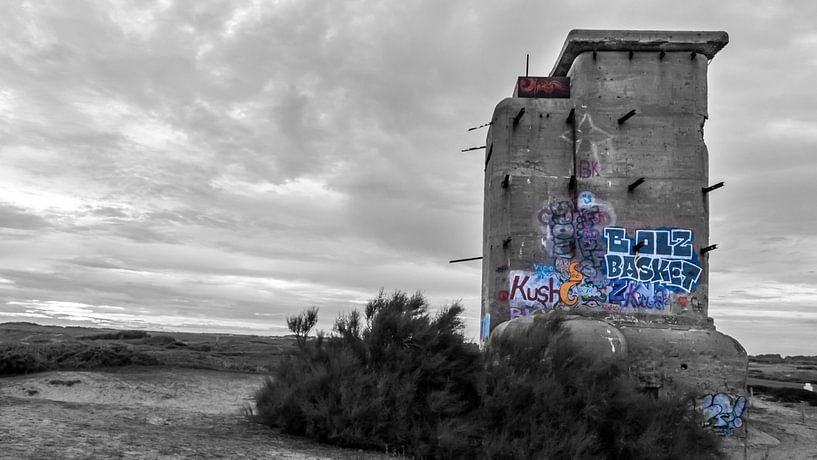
<point x="545" y="293"/>
<point x="543" y="87"/>
<point x="503" y="295"/>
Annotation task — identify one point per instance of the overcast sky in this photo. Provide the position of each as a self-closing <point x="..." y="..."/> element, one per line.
<point x="220" y="165"/>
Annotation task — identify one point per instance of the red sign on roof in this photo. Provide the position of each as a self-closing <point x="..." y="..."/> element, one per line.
<point x="550" y="87"/>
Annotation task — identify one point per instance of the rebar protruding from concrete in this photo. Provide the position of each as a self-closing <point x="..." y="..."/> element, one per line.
<point x="518" y="116"/>
<point x="464" y="260"/>
<point x="480" y="126"/>
<point x="473" y="148"/>
<point x="506" y="181"/>
<point x="711" y="247"/>
<point x="506" y="242"/>
<point x="636" y="183"/>
<point x="626" y="116"/>
<point x="712" y="187"/>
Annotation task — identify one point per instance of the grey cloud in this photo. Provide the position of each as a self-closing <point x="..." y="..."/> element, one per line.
<point x="17" y="218"/>
<point x="370" y="99"/>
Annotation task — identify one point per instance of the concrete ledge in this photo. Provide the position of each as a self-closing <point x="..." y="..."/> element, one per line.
<point x="582" y="40"/>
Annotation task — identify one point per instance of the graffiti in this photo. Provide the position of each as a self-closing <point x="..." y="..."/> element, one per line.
<point x="523" y="312"/>
<point x="588" y="169"/>
<point x="639" y="295"/>
<point x="590" y="139"/>
<point x="664" y="256"/>
<point x="597" y="265"/>
<point x="550" y="87"/>
<point x="579" y="227"/>
<point x="502" y="268"/>
<point x="590" y="294"/>
<point x="503" y="295"/>
<point x="543" y="271"/>
<point x="528" y="290"/>
<point x="575" y="278"/>
<point x="723" y="413"/>
<point x="558" y="216"/>
<point x="486" y="325"/>
<point x="589" y="241"/>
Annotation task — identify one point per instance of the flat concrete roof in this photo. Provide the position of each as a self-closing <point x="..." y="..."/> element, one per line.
<point x="579" y="41"/>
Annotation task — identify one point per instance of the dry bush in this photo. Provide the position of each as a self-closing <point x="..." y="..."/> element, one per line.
<point x="545" y="398"/>
<point x="400" y="381"/>
<point x="25" y="359"/>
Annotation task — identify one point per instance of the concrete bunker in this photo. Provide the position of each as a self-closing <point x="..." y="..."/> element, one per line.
<point x="596" y="203"/>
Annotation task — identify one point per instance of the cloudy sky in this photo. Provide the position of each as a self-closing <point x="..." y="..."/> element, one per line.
<point x="219" y="165"/>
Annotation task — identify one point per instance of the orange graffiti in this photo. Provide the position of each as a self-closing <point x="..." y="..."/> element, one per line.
<point x="575" y="278"/>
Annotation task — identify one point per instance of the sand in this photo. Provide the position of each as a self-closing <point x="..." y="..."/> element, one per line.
<point x="156" y="413"/>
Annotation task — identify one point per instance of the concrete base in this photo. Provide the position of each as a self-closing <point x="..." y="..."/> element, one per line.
<point x="703" y="361"/>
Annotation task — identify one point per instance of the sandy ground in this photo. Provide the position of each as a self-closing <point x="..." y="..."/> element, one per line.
<point x="155" y="413"/>
<point x="169" y="413"/>
<point x="776" y="431"/>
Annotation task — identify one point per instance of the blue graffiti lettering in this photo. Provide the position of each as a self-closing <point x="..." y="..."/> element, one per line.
<point x="723" y="413"/>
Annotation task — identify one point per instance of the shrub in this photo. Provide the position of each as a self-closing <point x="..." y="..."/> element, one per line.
<point x="787" y="395"/>
<point x="301" y="324"/>
<point x="546" y="398"/>
<point x="118" y="335"/>
<point x="401" y="381"/>
<point x="19" y="359"/>
<point x="24" y="359"/>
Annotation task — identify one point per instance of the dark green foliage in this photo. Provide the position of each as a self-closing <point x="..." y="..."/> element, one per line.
<point x="19" y="359"/>
<point x="162" y="340"/>
<point x="546" y="399"/>
<point x="24" y="359"/>
<point x="301" y="324"/>
<point x="118" y="335"/>
<point x="401" y="381"/>
<point x="788" y="395"/>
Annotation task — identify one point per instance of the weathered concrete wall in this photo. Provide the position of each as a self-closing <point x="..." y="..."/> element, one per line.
<point x="594" y="205"/>
<point x="512" y="231"/>
<point x="663" y="143"/>
<point x="547" y="226"/>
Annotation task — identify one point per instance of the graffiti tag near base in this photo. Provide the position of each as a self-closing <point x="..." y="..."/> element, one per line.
<point x="723" y="413"/>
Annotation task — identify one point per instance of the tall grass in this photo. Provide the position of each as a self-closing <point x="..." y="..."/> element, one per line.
<point x="401" y="380"/>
